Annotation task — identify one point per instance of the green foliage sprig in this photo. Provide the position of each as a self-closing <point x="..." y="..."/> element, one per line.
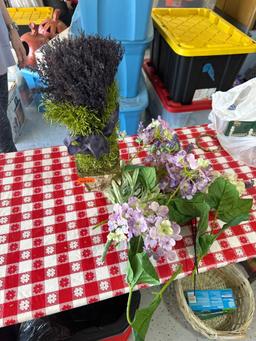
<point x="223" y="199"/>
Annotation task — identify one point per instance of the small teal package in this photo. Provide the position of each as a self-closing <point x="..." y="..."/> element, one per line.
<point x="211" y="301"/>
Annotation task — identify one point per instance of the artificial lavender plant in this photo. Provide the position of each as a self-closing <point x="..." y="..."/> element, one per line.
<point x="80" y="93"/>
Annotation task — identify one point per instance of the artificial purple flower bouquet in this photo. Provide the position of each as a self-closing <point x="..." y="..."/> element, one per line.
<point x="152" y="203"/>
<point x="150" y="221"/>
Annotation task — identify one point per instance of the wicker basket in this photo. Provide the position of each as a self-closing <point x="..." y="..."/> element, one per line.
<point x="228" y="327"/>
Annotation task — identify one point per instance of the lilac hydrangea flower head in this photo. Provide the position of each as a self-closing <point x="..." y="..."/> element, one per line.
<point x="187" y="174"/>
<point x="148" y="220"/>
<point x="160" y="139"/>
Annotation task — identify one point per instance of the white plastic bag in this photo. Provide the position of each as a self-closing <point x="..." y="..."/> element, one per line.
<point x="237" y="104"/>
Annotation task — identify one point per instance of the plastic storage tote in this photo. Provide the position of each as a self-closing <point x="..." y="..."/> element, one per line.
<point x="185" y="3"/>
<point x="32" y="78"/>
<point x="176" y="114"/>
<point x="33" y="81"/>
<point x="131" y="110"/>
<point x="120" y="19"/>
<point x="195" y="52"/>
<point x="129" y="70"/>
<point x="25" y="16"/>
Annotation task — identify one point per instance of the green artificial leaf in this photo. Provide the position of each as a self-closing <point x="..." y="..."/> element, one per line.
<point x="129" y="179"/>
<point x="183" y="210"/>
<point x="110" y="195"/>
<point x="135" y="176"/>
<point x="224" y="198"/>
<point x="117" y="193"/>
<point x="106" y="247"/>
<point x="205" y="242"/>
<point x="237" y="213"/>
<point x="176" y="215"/>
<point x="216" y="191"/>
<point x="135" y="245"/>
<point x="234" y="222"/>
<point x="130" y="168"/>
<point x="149" y="176"/>
<point x="141" y="270"/>
<point x="131" y="274"/>
<point x="237" y="220"/>
<point x="143" y="317"/>
<point x="136" y="336"/>
<point x="138" y="181"/>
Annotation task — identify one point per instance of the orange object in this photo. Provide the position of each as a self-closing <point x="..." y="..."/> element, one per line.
<point x="33" y="41"/>
<point x="51" y="27"/>
<point x="86" y="180"/>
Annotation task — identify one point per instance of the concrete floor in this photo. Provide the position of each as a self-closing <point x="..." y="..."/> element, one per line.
<point x="168" y="322"/>
<point x="36" y="132"/>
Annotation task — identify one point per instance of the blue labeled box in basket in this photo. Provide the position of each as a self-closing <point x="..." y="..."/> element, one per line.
<point x="211" y="302"/>
<point x="132" y="109"/>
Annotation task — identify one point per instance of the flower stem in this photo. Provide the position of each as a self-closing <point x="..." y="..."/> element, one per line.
<point x="195" y="268"/>
<point x="100" y="224"/>
<point x="129" y="306"/>
<point x="170" y="280"/>
<point x="173" y="195"/>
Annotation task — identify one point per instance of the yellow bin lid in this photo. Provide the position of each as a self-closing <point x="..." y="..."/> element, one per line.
<point x="195" y="32"/>
<point x="27" y="15"/>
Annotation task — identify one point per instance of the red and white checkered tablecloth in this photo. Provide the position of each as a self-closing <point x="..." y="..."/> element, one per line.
<point x="50" y="257"/>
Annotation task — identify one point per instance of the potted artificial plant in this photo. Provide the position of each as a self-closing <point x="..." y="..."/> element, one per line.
<point x="80" y="93"/>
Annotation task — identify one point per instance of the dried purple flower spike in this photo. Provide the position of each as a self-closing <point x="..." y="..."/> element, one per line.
<point x="86" y="69"/>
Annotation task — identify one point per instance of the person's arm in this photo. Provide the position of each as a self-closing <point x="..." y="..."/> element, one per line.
<point x="14" y="36"/>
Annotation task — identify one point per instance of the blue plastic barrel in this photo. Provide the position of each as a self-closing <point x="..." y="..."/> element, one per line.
<point x="120" y="19"/>
<point x="131" y="110"/>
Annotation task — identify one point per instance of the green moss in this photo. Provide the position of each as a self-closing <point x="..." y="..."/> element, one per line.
<point x="79" y="120"/>
<point x="87" y="165"/>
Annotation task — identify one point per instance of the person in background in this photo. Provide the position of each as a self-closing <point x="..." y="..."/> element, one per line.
<point x="71" y="4"/>
<point x="66" y="9"/>
<point x="8" y="32"/>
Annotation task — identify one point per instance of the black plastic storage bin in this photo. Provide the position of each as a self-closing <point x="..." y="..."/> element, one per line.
<point x="104" y="321"/>
<point x="195" y="52"/>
